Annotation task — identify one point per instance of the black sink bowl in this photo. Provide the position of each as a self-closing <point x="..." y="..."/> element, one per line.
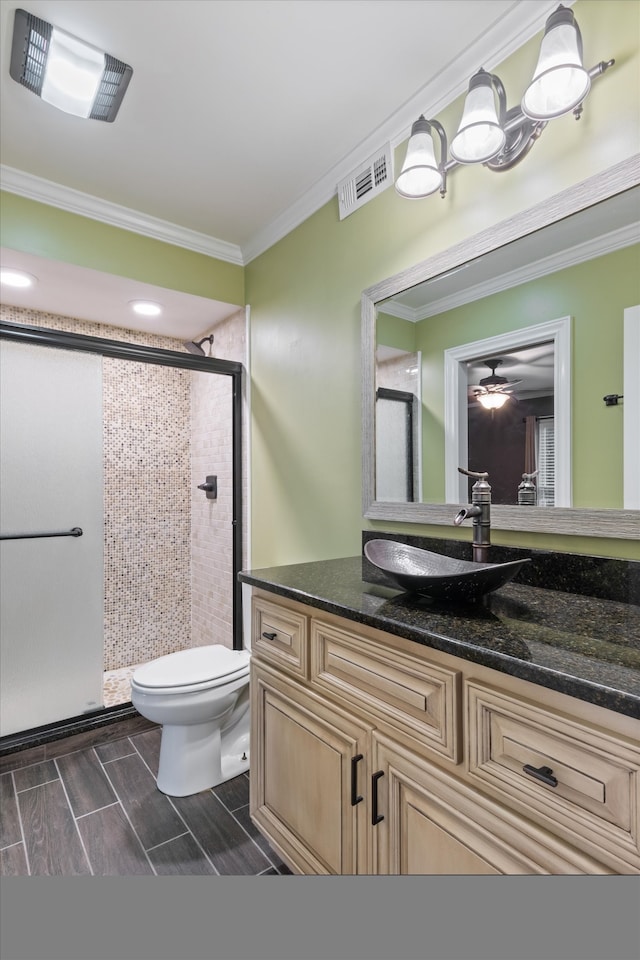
<point x="433" y="575"/>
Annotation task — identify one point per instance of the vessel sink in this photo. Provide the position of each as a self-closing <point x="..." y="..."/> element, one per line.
<point x="433" y="575"/>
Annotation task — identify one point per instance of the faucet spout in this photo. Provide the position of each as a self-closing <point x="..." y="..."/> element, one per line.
<point x="470" y="511"/>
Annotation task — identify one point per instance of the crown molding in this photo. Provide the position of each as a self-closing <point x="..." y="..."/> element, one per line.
<point x="523" y="21"/>
<point x="598" y="247"/>
<point x="74" y="201"/>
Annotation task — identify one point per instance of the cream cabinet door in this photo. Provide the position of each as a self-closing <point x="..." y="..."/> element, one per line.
<point x="428" y="822"/>
<point x="308" y="769"/>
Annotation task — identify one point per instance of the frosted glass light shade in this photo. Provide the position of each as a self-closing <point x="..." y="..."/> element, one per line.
<point x="560" y="82"/>
<point x="72" y="74"/>
<point x="420" y="175"/>
<point x="479" y="135"/>
<point x="493" y="401"/>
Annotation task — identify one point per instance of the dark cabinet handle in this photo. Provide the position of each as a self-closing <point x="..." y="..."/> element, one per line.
<point x="544" y="774"/>
<point x="355" y="797"/>
<point x="375" y="816"/>
<point x="269" y="636"/>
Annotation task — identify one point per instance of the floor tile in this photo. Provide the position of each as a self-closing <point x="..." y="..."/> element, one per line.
<point x="148" y="746"/>
<point x="153" y="817"/>
<point x="234" y="793"/>
<point x="111" y="844"/>
<point x="21" y="758"/>
<point x="35" y="775"/>
<point x="229" y="847"/>
<point x="53" y="844"/>
<point x="13" y="861"/>
<point x="180" y="857"/>
<point x="9" y="820"/>
<point x="86" y="784"/>
<point x="115" y="750"/>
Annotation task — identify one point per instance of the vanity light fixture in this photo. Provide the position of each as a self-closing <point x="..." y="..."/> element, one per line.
<point x="491" y="134"/>
<point x="66" y="72"/>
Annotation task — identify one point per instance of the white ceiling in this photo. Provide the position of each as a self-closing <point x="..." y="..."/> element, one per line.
<point x="243" y="115"/>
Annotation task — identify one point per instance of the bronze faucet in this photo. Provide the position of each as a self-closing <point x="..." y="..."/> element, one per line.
<point x="480" y="510"/>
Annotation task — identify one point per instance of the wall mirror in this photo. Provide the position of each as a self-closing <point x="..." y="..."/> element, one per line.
<point x="543" y="308"/>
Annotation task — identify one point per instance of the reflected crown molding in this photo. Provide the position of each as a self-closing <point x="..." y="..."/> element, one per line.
<point x="589" y="250"/>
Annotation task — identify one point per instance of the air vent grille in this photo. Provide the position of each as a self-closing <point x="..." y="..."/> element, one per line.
<point x="370" y="179"/>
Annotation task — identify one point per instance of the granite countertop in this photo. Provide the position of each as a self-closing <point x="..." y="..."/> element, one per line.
<point x="580" y="645"/>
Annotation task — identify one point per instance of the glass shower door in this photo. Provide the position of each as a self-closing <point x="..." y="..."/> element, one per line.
<point x="51" y="619"/>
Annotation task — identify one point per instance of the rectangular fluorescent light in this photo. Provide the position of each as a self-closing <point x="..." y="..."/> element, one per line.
<point x="66" y="72"/>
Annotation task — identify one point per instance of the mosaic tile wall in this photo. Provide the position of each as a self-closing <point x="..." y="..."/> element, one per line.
<point x="149" y="494"/>
<point x="147" y="511"/>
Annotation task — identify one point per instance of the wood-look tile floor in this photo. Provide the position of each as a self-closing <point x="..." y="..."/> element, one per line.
<point x="97" y="811"/>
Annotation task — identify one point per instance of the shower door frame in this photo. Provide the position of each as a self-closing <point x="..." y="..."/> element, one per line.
<point x="121" y="350"/>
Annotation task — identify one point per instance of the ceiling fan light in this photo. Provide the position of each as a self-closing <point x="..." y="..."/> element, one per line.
<point x="560" y="82"/>
<point x="420" y="175"/>
<point x="480" y="136"/>
<point x="493" y="401"/>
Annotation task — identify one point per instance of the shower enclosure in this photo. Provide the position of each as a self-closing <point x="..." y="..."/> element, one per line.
<point x="111" y="440"/>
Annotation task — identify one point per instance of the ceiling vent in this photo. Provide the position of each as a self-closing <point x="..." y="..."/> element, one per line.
<point x="366" y="182"/>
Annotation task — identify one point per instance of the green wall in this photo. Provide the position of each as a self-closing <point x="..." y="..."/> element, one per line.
<point x="59" y="235"/>
<point x="594" y="294"/>
<point x="305" y="306"/>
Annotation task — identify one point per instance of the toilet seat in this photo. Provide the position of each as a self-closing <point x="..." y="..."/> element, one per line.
<point x="197" y="668"/>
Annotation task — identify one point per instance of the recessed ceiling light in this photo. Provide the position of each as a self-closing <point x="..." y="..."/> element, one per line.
<point x="16" y="278"/>
<point x="146" y="308"/>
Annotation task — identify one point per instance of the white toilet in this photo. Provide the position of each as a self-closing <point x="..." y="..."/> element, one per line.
<point x="200" y="697"/>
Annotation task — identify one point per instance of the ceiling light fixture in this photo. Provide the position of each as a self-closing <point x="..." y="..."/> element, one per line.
<point x="66" y="72"/>
<point x="493" y="135"/>
<point x="146" y="308"/>
<point x="17" y="279"/>
<point x="494" y="391"/>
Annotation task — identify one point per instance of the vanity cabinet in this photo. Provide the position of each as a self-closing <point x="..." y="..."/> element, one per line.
<point x="375" y="754"/>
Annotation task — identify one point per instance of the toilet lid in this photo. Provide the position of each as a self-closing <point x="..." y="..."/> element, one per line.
<point x="211" y="665"/>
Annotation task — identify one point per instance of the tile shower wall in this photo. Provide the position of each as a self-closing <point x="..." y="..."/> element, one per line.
<point x="150" y="481"/>
<point x="147" y="516"/>
<point x="211" y="530"/>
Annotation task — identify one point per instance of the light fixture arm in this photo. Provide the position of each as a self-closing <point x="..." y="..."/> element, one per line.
<point x="442" y="166"/>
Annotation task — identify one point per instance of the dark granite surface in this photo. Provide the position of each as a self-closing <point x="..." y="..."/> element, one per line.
<point x="576" y="643"/>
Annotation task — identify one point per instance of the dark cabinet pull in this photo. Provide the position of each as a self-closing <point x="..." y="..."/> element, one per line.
<point x="355" y="797"/>
<point x="541" y="773"/>
<point x="269" y="636"/>
<point x="375" y="816"/>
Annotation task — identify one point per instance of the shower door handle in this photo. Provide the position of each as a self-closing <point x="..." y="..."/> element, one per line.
<point x="74" y="532"/>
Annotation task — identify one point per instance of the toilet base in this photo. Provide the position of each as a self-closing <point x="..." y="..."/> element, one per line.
<point x="197" y="757"/>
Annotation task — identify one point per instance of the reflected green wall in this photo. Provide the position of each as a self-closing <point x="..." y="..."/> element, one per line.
<point x="594" y="294"/>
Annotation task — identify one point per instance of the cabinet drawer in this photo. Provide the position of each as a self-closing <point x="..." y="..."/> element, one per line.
<point x="582" y="781"/>
<point x="280" y="635"/>
<point x="408" y="694"/>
